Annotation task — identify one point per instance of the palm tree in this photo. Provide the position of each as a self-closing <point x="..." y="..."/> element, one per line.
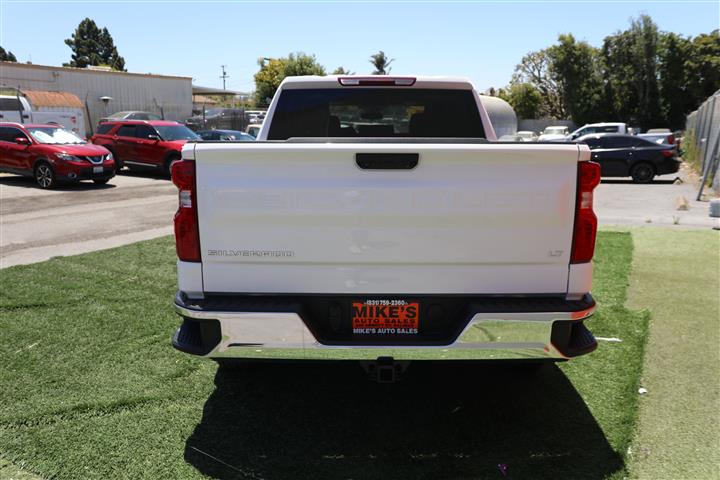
<point x="381" y="63"/>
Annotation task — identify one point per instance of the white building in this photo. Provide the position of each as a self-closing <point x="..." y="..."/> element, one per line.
<point x="103" y="92"/>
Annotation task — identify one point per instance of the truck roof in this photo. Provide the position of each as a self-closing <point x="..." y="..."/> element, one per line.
<point x="402" y="81"/>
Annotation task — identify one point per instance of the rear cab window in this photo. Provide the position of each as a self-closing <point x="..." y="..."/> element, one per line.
<point x="376" y="112"/>
<point x="10" y="104"/>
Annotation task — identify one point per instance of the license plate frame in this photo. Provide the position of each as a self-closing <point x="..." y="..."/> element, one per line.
<point x="385" y="317"/>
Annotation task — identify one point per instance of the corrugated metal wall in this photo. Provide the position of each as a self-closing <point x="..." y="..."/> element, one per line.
<point x="128" y="91"/>
<point x="705" y="123"/>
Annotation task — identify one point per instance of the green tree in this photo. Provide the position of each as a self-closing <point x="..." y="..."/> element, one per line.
<point x="703" y="67"/>
<point x="673" y="78"/>
<point x="524" y="98"/>
<point x="574" y="68"/>
<point x="274" y="70"/>
<point x="7" y="56"/>
<point x="93" y="46"/>
<point x="534" y="68"/>
<point x="381" y="63"/>
<point x="342" y="71"/>
<point x="630" y="62"/>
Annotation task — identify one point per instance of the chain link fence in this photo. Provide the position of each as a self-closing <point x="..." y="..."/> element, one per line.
<point x="703" y="128"/>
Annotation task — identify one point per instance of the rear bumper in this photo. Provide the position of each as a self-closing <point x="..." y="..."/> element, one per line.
<point x="271" y="328"/>
<point x="668" y="166"/>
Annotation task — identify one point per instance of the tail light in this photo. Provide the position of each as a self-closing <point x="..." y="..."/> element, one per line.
<point x="377" y="81"/>
<point x="187" y="233"/>
<point x="583" y="247"/>
<point x="668" y="153"/>
<point x="671" y="139"/>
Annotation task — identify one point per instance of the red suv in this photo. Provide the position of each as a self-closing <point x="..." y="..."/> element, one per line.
<point x="52" y="154"/>
<point x="144" y="144"/>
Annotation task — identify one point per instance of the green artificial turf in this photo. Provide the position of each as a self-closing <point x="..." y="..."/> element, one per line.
<point x="91" y="388"/>
<point x="677" y="277"/>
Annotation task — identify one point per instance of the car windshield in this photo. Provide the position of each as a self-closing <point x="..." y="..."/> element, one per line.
<point x="242" y="137"/>
<point x="54" y="135"/>
<point x="118" y="115"/>
<point x="213" y="112"/>
<point x="176" y="132"/>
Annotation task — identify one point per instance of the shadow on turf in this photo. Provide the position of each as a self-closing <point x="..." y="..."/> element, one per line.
<point x="440" y="421"/>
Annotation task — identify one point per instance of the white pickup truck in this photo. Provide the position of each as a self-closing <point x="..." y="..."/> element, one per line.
<point x="376" y="219"/>
<point x="17" y="109"/>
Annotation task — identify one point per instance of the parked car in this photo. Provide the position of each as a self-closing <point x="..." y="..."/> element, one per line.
<point x="658" y="130"/>
<point x="154" y="144"/>
<point x="18" y="109"/>
<point x="662" y="138"/>
<point x="52" y="154"/>
<point x="511" y="137"/>
<point x="527" y="136"/>
<point x="253" y="130"/>
<point x="218" y="118"/>
<point x="313" y="245"/>
<point x="631" y="156"/>
<point x="555" y="133"/>
<point x="226" y="135"/>
<point x="611" y="127"/>
<point x="130" y="115"/>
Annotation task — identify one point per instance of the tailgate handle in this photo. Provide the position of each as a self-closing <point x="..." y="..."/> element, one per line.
<point x="387" y="161"/>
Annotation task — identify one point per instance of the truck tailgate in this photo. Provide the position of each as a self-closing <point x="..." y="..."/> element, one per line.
<point x="305" y="218"/>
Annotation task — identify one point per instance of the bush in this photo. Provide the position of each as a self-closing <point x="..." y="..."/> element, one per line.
<point x="691" y="152"/>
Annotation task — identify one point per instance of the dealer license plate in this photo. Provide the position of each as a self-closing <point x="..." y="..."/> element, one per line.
<point x="385" y="317"/>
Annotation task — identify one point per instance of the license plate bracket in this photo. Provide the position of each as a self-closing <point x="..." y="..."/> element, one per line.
<point x="385" y="317"/>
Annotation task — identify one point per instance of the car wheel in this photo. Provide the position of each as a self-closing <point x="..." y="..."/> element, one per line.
<point x="169" y="163"/>
<point x="118" y="163"/>
<point x="101" y="181"/>
<point x="44" y="175"/>
<point x="642" y="173"/>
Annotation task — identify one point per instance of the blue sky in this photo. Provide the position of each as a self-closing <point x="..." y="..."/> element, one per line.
<point x="478" y="39"/>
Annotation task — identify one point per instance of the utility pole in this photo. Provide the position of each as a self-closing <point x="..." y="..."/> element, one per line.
<point x="224" y="75"/>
